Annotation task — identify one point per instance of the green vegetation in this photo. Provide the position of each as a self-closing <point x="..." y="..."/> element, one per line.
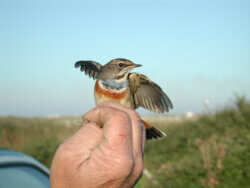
<point x="213" y="151"/>
<point x="36" y="137"/>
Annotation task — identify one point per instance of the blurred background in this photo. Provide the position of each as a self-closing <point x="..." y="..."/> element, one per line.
<point x="197" y="51"/>
<point x="194" y="50"/>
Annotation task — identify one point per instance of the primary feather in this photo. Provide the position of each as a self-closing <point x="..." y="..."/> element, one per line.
<point x="90" y="68"/>
<point x="148" y="94"/>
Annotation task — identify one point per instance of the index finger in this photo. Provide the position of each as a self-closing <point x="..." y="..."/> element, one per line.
<point x="117" y="131"/>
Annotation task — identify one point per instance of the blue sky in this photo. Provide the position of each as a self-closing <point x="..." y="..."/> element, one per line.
<point x="193" y="49"/>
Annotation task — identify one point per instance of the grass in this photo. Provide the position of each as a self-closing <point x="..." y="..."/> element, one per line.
<point x="36" y="137"/>
<point x="212" y="151"/>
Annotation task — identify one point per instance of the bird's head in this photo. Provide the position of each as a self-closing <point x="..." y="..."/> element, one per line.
<point x="117" y="69"/>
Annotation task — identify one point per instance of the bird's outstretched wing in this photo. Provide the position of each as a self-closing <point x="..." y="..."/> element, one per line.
<point x="90" y="68"/>
<point x="148" y="94"/>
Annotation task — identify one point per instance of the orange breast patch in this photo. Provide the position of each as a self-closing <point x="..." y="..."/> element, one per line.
<point x="109" y="94"/>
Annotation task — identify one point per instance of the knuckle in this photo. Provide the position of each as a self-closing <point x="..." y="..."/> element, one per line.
<point x="61" y="148"/>
<point x="134" y="114"/>
<point x="63" y="152"/>
<point x="102" y="108"/>
<point x="121" y="114"/>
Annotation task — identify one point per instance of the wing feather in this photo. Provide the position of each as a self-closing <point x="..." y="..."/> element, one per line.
<point x="148" y="94"/>
<point x="91" y="68"/>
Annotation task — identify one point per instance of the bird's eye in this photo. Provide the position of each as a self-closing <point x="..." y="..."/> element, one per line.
<point x="121" y="64"/>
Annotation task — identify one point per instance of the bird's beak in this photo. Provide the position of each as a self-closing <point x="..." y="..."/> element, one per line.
<point x="137" y="65"/>
<point x="133" y="66"/>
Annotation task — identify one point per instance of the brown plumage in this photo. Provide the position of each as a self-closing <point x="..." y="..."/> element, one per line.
<point x="133" y="90"/>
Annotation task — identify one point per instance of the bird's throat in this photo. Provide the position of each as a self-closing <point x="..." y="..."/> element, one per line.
<point x="113" y="85"/>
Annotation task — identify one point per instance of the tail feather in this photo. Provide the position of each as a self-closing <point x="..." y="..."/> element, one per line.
<point x="152" y="132"/>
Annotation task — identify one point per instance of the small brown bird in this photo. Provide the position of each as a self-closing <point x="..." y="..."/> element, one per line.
<point x="133" y="90"/>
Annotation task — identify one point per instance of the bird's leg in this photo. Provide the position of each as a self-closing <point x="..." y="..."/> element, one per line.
<point x="85" y="121"/>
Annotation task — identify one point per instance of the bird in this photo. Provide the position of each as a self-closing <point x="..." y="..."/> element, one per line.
<point x="115" y="82"/>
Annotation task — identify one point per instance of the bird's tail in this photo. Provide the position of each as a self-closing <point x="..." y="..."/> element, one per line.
<point x="152" y="133"/>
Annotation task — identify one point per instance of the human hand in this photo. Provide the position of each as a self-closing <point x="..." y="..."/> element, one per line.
<point x="102" y="157"/>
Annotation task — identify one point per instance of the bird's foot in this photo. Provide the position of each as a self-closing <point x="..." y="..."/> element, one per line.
<point x="85" y="121"/>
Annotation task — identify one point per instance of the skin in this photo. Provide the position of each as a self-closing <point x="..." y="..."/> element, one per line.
<point x="111" y="156"/>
